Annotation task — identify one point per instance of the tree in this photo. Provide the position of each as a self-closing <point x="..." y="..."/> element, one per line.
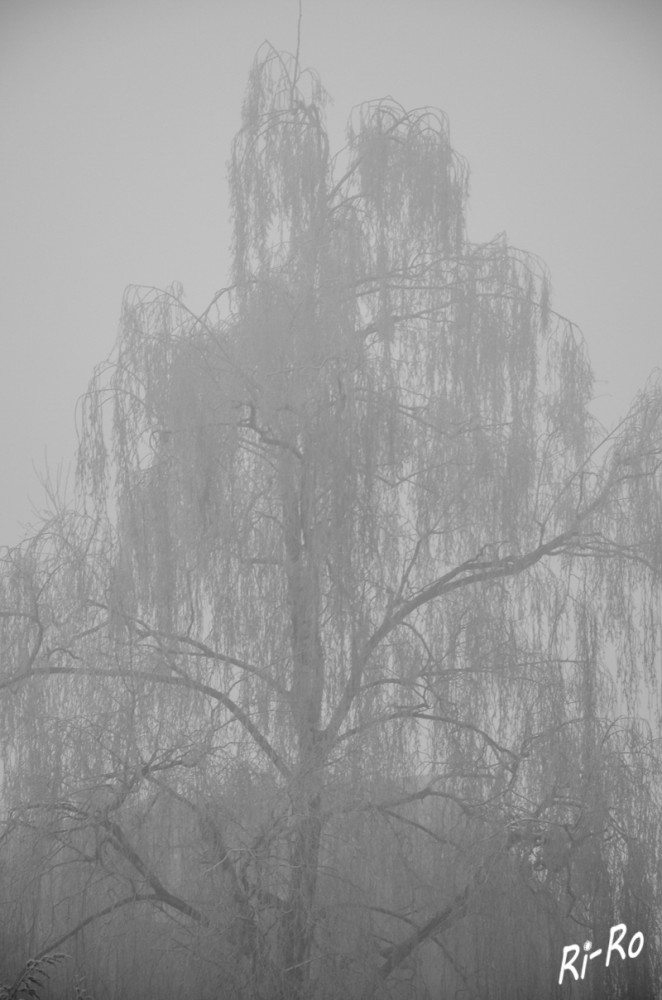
<point x="340" y="660"/>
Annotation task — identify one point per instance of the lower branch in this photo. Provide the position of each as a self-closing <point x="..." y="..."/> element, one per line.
<point x="437" y="924"/>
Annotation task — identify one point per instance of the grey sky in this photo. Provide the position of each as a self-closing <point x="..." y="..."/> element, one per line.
<point x="116" y="120"/>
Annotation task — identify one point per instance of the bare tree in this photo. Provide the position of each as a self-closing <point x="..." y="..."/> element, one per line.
<point x="339" y="663"/>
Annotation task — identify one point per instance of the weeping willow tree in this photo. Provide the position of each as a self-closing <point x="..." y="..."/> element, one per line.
<point x="332" y="686"/>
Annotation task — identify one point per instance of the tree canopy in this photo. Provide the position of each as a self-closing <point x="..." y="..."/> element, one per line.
<point x="340" y="680"/>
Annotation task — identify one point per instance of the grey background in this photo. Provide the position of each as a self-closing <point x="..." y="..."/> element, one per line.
<point x="116" y="120"/>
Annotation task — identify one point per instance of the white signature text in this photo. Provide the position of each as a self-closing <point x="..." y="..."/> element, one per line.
<point x="572" y="951"/>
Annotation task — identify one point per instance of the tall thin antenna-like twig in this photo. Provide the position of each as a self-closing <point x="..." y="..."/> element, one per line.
<point x="295" y="78"/>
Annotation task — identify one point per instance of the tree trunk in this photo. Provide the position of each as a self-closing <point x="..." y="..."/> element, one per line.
<point x="306" y="700"/>
<point x="298" y="921"/>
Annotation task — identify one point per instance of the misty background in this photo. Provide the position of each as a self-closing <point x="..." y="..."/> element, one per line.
<point x="116" y="122"/>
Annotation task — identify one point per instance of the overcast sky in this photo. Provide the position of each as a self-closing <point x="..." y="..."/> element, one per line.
<point x="116" y="120"/>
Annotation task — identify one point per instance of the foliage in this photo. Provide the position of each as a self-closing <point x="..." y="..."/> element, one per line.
<point x="332" y="684"/>
<point x="32" y="978"/>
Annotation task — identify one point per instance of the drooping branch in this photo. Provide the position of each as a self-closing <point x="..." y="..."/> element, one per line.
<point x="203" y="649"/>
<point x="116" y="836"/>
<point x="180" y="680"/>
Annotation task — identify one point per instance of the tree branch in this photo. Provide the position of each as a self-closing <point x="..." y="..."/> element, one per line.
<point x="438" y="923"/>
<point x="470" y="572"/>
<point x="179" y="680"/>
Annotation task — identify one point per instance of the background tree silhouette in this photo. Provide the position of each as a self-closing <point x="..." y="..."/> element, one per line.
<point x="331" y="686"/>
